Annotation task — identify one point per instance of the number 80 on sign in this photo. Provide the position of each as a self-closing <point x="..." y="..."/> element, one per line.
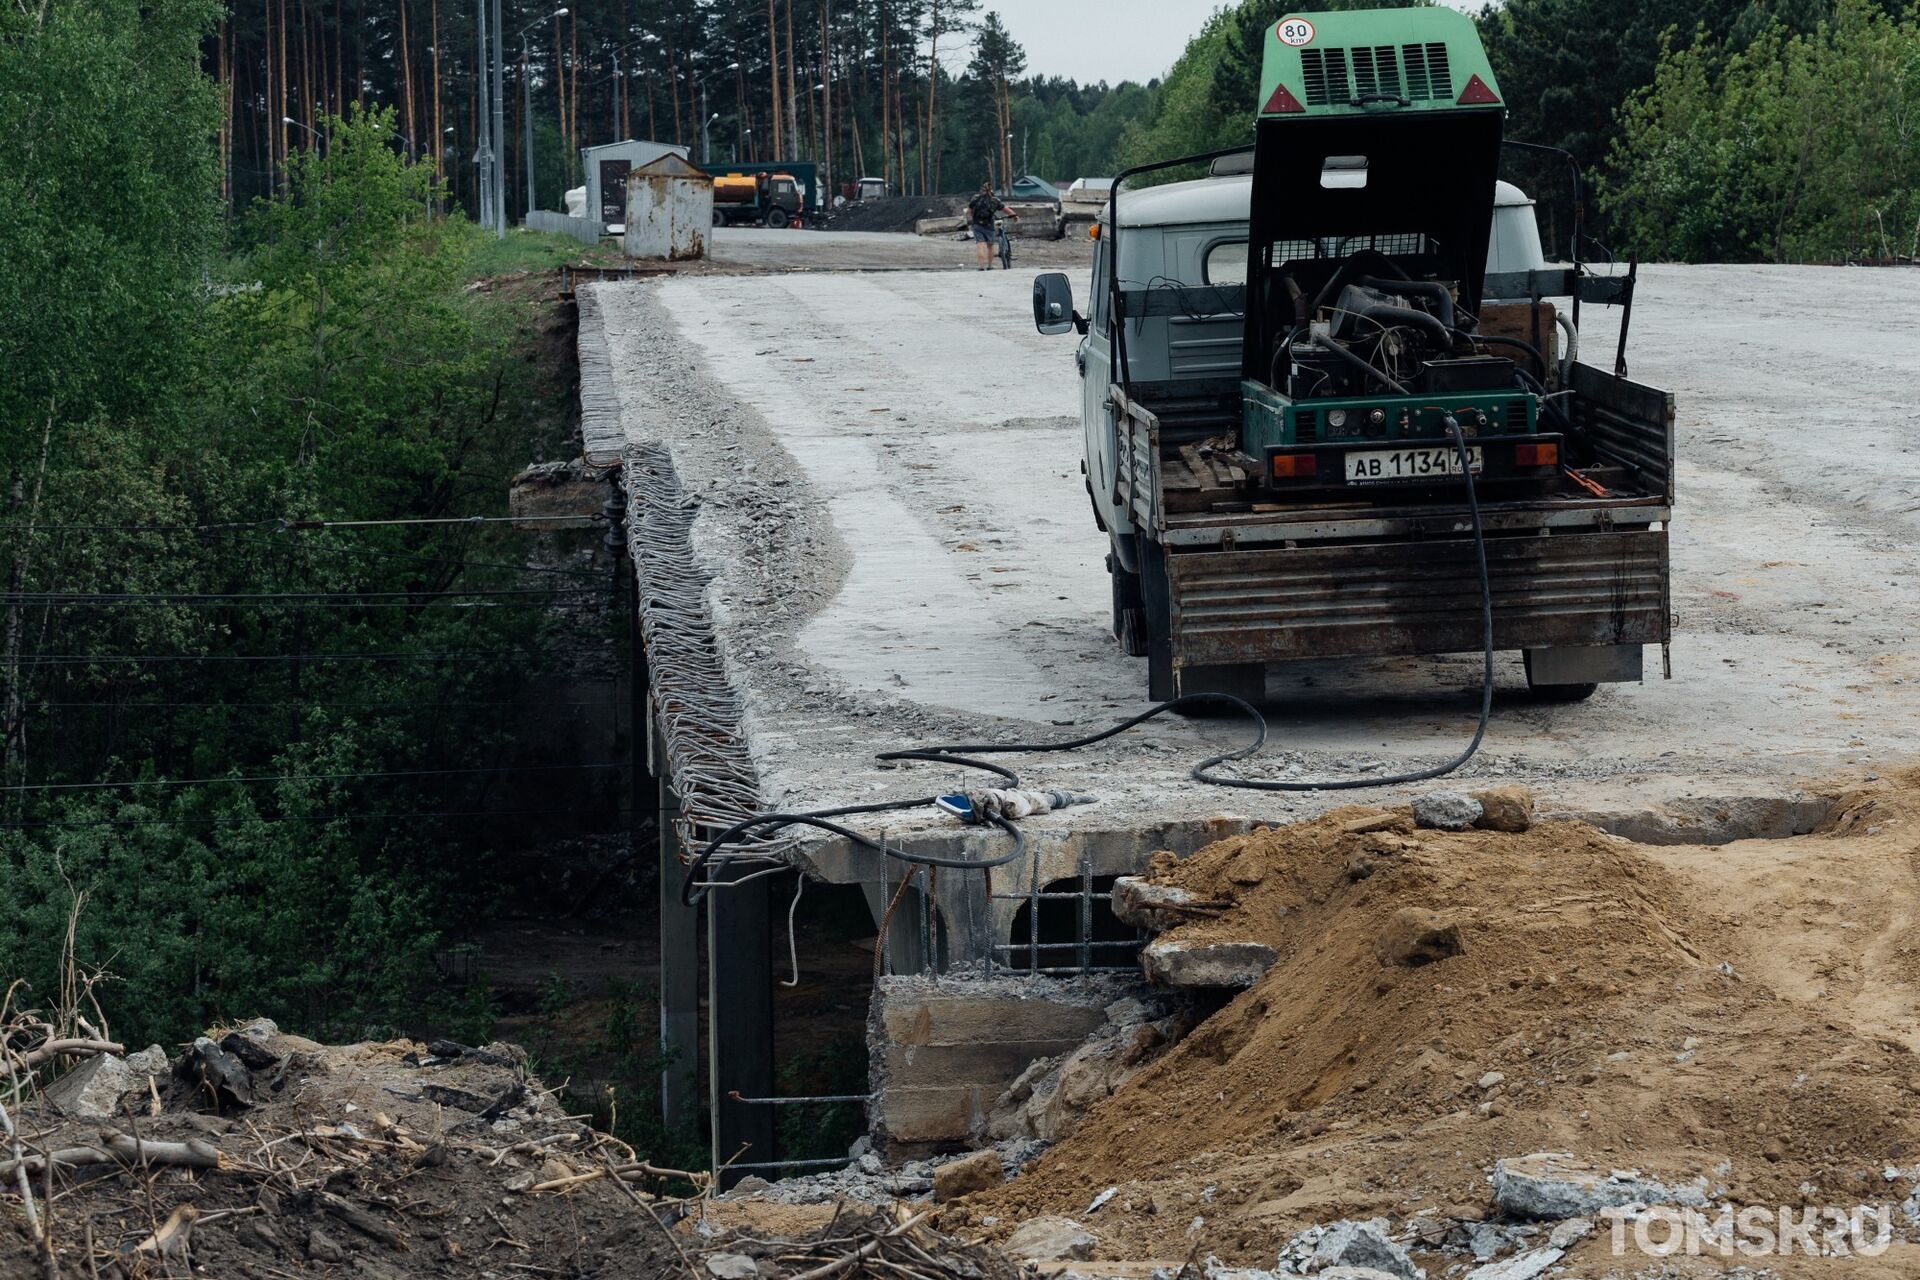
<point x="1294" y="32"/>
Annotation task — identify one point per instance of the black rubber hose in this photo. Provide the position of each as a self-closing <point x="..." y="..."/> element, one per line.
<point x="1442" y="297"/>
<point x="1501" y="340"/>
<point x="1326" y="343"/>
<point x="693" y="889"/>
<point x="1201" y="770"/>
<point x="1356" y="259"/>
<point x="1395" y="317"/>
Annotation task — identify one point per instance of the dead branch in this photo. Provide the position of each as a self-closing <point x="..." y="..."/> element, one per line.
<point x="864" y="1252"/>
<point x="362" y="1221"/>
<point x="120" y="1149"/>
<point x="49" y="1049"/>
<point x="170" y="1241"/>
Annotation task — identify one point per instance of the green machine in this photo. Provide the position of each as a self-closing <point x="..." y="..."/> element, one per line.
<point x="1376" y="153"/>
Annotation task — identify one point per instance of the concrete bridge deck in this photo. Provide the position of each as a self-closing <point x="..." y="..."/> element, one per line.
<point x="891" y="508"/>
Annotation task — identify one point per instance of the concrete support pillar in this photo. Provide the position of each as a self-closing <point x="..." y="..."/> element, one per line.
<point x="740" y="1021"/>
<point x="679" y="966"/>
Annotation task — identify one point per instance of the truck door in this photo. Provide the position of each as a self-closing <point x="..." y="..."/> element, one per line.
<point x="1096" y="414"/>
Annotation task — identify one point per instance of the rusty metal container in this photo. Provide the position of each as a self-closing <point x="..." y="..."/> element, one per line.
<point x="669" y="210"/>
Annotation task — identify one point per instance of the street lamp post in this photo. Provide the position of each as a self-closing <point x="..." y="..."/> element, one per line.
<point x="706" y="136"/>
<point x="526" y="94"/>
<point x="739" y="115"/>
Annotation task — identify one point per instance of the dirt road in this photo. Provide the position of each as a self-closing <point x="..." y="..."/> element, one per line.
<point x="902" y="543"/>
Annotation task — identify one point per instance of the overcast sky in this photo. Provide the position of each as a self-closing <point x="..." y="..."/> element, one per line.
<point x="1111" y="40"/>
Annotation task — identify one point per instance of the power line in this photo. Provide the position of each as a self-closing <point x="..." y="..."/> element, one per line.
<point x="371" y="554"/>
<point x="302" y="526"/>
<point x="225" y="820"/>
<point x="137" y="704"/>
<point x="362" y="599"/>
<point x="302" y="777"/>
<point x="83" y="660"/>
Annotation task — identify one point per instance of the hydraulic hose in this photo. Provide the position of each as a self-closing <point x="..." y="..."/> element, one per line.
<point x="1441" y="296"/>
<point x="1202" y="771"/>
<point x="1393" y="317"/>
<point x="1326" y="343"/>
<point x="695" y="887"/>
<point x="1360" y="257"/>
<point x="1501" y="340"/>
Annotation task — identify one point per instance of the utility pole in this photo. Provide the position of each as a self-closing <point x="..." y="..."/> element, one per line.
<point x="526" y="98"/>
<point x="499" y="129"/>
<point x="483" y="147"/>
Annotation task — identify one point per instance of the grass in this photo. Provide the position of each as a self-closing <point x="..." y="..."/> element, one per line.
<point x="523" y="250"/>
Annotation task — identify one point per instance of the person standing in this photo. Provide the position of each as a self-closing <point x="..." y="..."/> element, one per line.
<point x="980" y="211"/>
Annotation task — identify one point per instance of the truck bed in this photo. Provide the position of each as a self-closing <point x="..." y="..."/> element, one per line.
<point x="1254" y="580"/>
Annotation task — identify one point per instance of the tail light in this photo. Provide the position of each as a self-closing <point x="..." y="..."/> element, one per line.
<point x="1294" y="466"/>
<point x="1536" y="455"/>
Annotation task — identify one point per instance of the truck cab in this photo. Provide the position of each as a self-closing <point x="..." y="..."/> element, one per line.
<point x="1291" y="368"/>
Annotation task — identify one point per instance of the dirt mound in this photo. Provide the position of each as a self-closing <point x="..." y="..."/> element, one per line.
<point x="895" y="213"/>
<point x="1440" y="1001"/>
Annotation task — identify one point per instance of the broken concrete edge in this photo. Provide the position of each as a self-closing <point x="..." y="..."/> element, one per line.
<point x="1170" y="962"/>
<point x="944" y="1048"/>
<point x="1556" y="1185"/>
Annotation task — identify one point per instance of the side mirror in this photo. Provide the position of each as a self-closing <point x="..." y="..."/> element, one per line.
<point x="1053" y="303"/>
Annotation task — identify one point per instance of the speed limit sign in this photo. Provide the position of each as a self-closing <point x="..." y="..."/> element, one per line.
<point x="1294" y="32"/>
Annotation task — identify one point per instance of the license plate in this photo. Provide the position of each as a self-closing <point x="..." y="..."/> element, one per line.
<point x="1408" y="464"/>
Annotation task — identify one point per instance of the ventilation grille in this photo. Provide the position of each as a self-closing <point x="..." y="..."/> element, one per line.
<point x="1306" y="426"/>
<point x="1326" y="76"/>
<point x="1417" y="72"/>
<point x="1429" y="78"/>
<point x="1404" y="243"/>
<point x="1376" y="69"/>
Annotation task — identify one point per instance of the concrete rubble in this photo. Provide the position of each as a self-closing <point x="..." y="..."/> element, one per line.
<point x="1050" y="1239"/>
<point x="1555" y="1185"/>
<point x="1522" y="1266"/>
<point x="1144" y="904"/>
<point x="1175" y="963"/>
<point x="966" y="1175"/>
<point x="1508" y="808"/>
<point x="94" y="1089"/>
<point x="1050" y="1098"/>
<point x="1348" y="1244"/>
<point x="1446" y="810"/>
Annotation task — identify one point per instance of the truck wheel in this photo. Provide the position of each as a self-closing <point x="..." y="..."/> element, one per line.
<point x="1554" y="692"/>
<point x="1129" y="611"/>
<point x="1157" y="600"/>
<point x="777" y="218"/>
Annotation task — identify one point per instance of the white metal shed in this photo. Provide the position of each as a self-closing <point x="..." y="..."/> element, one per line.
<point x="606" y="167"/>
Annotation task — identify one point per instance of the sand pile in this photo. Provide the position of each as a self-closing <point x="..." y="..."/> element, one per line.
<point x="1743" y="1014"/>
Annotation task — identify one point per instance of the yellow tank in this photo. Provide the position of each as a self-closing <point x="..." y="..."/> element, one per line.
<point x="733" y="188"/>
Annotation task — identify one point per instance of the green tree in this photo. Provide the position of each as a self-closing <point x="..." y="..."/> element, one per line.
<point x="1793" y="146"/>
<point x="1207" y="102"/>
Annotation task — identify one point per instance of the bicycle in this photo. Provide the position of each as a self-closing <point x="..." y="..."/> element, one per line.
<point x="1003" y="244"/>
